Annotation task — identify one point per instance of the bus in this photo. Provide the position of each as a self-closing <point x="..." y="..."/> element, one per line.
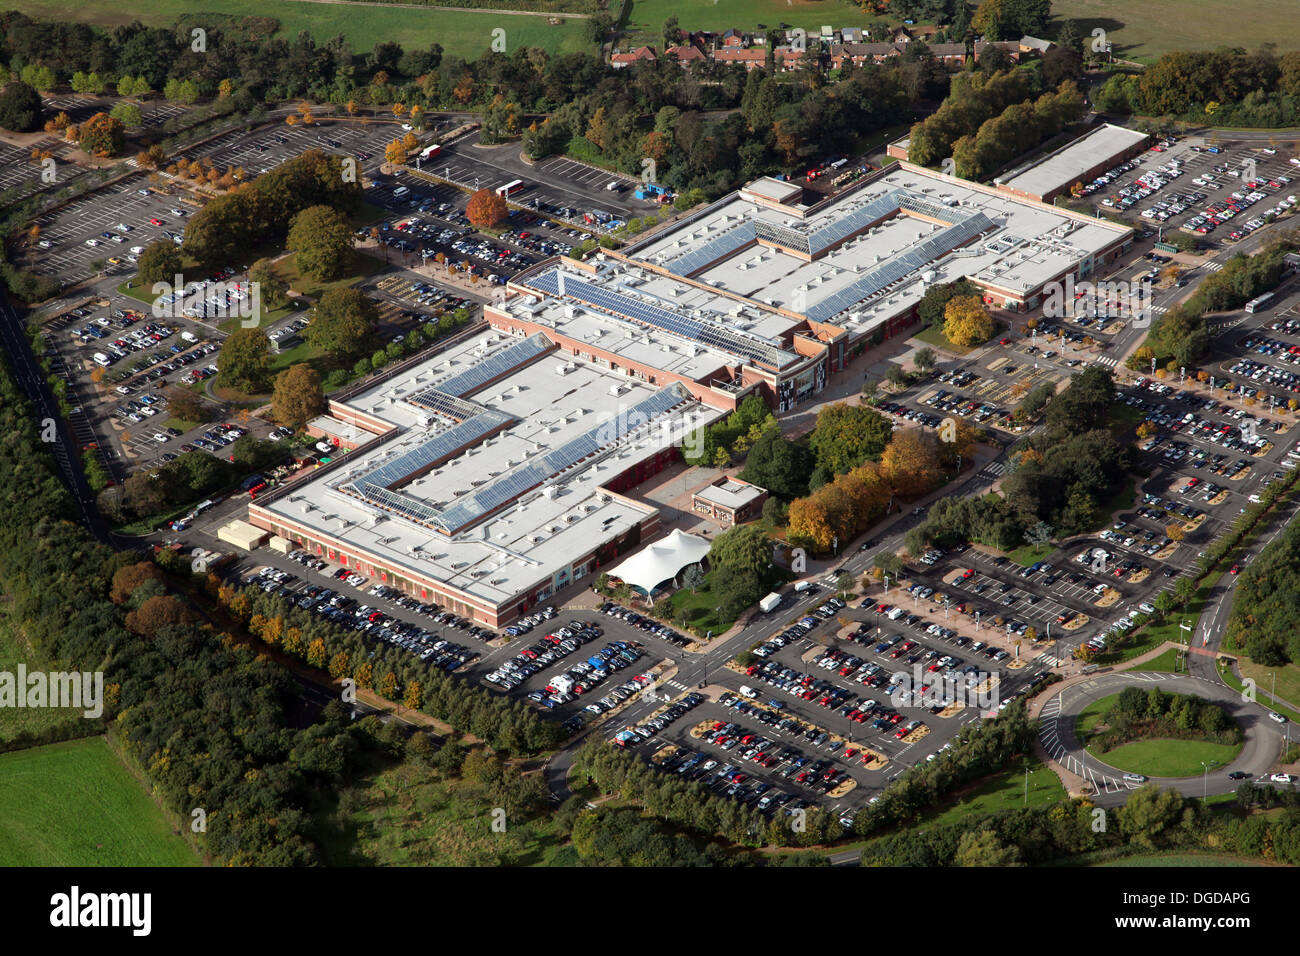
<point x="510" y="188"/>
<point x="1259" y="302"/>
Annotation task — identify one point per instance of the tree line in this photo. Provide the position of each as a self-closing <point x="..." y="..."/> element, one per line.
<point x="210" y="723"/>
<point x="1227" y="86"/>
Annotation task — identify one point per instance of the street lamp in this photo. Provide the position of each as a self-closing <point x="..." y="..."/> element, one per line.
<point x="1205" y="778"/>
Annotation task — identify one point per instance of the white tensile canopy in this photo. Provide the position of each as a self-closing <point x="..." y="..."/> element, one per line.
<point x="656" y="563"/>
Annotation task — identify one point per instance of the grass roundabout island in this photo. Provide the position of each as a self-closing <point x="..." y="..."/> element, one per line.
<point x="1158" y="734"/>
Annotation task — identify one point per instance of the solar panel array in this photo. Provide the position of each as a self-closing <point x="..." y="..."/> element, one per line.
<point x="857" y="220"/>
<point x="617" y="304"/>
<point x="495" y="366"/>
<point x="437" y="448"/>
<point x="396" y="503"/>
<point x="484" y="500"/>
<point x="913" y="260"/>
<point x="717" y="247"/>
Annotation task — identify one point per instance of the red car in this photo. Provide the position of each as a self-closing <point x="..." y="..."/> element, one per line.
<point x="1234" y="569"/>
<point x="1004" y="341"/>
<point x="155" y="222"/>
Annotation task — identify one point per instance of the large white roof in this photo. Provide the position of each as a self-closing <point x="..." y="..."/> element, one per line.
<point x="656" y="563"/>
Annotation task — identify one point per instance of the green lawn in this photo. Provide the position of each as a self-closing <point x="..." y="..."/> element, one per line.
<point x="1181" y="860"/>
<point x="1003" y="791"/>
<point x="74" y="804"/>
<point x="648" y="16"/>
<point x="1155" y="757"/>
<point x="933" y="336"/>
<point x="416" y="27"/>
<point x="1031" y="554"/>
<point x="363" y="265"/>
<point x="1170" y="661"/>
<point x="1143" y="29"/>
<point x="1287" y="679"/>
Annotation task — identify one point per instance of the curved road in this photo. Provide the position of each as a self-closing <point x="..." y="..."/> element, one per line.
<point x="1259" y="752"/>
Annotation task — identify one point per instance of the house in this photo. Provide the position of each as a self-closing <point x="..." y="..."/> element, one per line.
<point x="620" y="60"/>
<point x="901" y="35"/>
<point x="733" y="38"/>
<point x="851" y="35"/>
<point x="687" y="54"/>
<point x="1033" y="45"/>
<point x="861" y="53"/>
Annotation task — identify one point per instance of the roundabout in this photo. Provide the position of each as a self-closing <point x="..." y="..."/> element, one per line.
<point x="1109" y="784"/>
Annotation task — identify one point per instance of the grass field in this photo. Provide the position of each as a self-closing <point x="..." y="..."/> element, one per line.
<point x="1030" y="554"/>
<point x="416" y="27"/>
<point x="1144" y="29"/>
<point x="1287" y="681"/>
<point x="648" y="16"/>
<point x="933" y="336"/>
<point x="1168" y="661"/>
<point x="1156" y="757"/>
<point x="1181" y="860"/>
<point x="74" y="804"/>
<point x="1004" y="791"/>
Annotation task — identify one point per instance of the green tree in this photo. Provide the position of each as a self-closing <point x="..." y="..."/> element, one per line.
<point x="847" y="435"/>
<point x="271" y="288"/>
<point x="322" y="239"/>
<point x="298" y="395"/>
<point x="344" y="321"/>
<point x="745" y="547"/>
<point x="160" y="262"/>
<point x="128" y="113"/>
<point x="983" y="848"/>
<point x="245" y="360"/>
<point x="1150" y="816"/>
<point x="20" y="107"/>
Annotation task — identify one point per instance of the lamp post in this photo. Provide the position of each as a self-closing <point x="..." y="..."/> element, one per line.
<point x="1205" y="778"/>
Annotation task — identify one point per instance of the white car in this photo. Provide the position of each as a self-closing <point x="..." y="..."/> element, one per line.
<point x="1281" y="778"/>
<point x="92" y="242"/>
<point x="160" y="437"/>
<point x="1276" y="717"/>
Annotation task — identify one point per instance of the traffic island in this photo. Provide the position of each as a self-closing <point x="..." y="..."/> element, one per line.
<point x="1164" y="554"/>
<point x="1190" y="526"/>
<point x="919" y="734"/>
<point x="1140" y="576"/>
<point x="1076" y="622"/>
<point x="1108" y="598"/>
<point x="1243" y="474"/>
<point x="662" y="755"/>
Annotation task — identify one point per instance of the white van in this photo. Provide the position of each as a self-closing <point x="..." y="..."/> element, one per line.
<point x="189" y="337"/>
<point x="615" y="187"/>
<point x="400" y="191"/>
<point x="102" y="359"/>
<point x="801" y="586"/>
<point x="748" y="692"/>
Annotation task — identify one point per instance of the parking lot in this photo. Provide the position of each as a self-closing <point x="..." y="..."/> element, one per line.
<point x="1201" y="186"/>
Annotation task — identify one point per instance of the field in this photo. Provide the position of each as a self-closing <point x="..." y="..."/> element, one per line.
<point x="1003" y="791"/>
<point x="648" y="16"/>
<point x="74" y="804"/>
<point x="1181" y="860"/>
<point x="1144" y="29"/>
<point x="1168" y="661"/>
<point x="1287" y="680"/>
<point x="415" y="27"/>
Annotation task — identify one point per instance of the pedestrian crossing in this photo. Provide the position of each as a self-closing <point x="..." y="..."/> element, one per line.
<point x="993" y="469"/>
<point x="1108" y="361"/>
<point x="1051" y="660"/>
<point x="1212" y="266"/>
<point x="676" y="684"/>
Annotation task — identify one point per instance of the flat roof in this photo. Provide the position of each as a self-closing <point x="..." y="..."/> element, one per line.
<point x="867" y="255"/>
<point x="730" y="494"/>
<point x="1062" y="168"/>
<point x="328" y="425"/>
<point x="505" y="533"/>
